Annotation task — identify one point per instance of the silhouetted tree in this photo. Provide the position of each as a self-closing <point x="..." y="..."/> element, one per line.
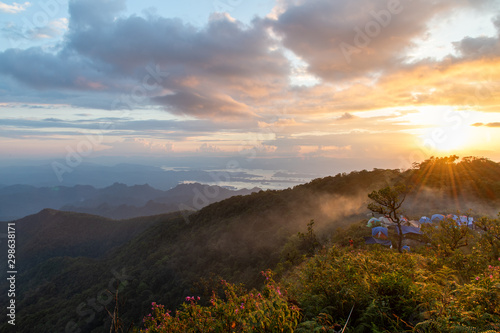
<point x="388" y="201"/>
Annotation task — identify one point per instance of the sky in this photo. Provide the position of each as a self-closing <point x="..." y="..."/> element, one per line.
<point x="310" y="86"/>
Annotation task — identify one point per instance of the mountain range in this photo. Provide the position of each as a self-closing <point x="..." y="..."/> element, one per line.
<point x="117" y="201"/>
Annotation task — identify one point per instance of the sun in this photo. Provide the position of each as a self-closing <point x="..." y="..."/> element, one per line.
<point x="444" y="129"/>
<point x="450" y="139"/>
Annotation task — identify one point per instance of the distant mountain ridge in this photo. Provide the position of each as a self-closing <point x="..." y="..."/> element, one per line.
<point x="118" y="201"/>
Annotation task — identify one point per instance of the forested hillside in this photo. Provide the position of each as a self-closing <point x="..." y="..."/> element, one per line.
<point x="166" y="258"/>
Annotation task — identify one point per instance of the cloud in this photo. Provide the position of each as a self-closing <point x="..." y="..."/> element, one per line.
<point x="216" y="71"/>
<point x="201" y="104"/>
<point x="236" y="76"/>
<point x="14" y="8"/>
<point x="474" y="48"/>
<point x="208" y="148"/>
<point x="154" y="145"/>
<point x="346" y="116"/>
<point x="153" y="129"/>
<point x="497" y="124"/>
<point x="343" y="40"/>
<point x="88" y="14"/>
<point x="53" y="29"/>
<point x="42" y="70"/>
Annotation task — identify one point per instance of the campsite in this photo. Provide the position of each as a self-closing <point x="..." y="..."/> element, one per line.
<point x="383" y="227"/>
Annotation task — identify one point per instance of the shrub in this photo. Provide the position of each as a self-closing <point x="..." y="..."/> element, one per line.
<point x="239" y="311"/>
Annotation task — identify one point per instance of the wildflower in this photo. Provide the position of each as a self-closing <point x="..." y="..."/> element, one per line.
<point x="491" y="276"/>
<point x="477" y="278"/>
<point x="242" y="306"/>
<point x="198" y="298"/>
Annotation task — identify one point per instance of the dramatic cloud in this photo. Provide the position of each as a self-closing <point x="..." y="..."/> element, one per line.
<point x="217" y="70"/>
<point x="349" y="39"/>
<point x="225" y="85"/>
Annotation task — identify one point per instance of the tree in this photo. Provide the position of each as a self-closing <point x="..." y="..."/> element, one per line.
<point x="388" y="201"/>
<point x="448" y="236"/>
<point x="490" y="237"/>
<point x="309" y="241"/>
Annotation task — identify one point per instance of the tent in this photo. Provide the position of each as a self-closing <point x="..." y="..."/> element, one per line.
<point x="464" y="220"/>
<point x="471" y="220"/>
<point x="386" y="221"/>
<point x="372" y="240"/>
<point x="424" y="219"/>
<point x="380" y="232"/>
<point x="372" y="222"/>
<point x="406" y="248"/>
<point x="437" y="217"/>
<point x="413" y="223"/>
<point x="453" y="217"/>
<point x="409" y="230"/>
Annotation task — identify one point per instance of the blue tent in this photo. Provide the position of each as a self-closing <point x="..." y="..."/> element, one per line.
<point x="409" y="230"/>
<point x="437" y="217"/>
<point x="372" y="240"/>
<point x="424" y="219"/>
<point x="380" y="231"/>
